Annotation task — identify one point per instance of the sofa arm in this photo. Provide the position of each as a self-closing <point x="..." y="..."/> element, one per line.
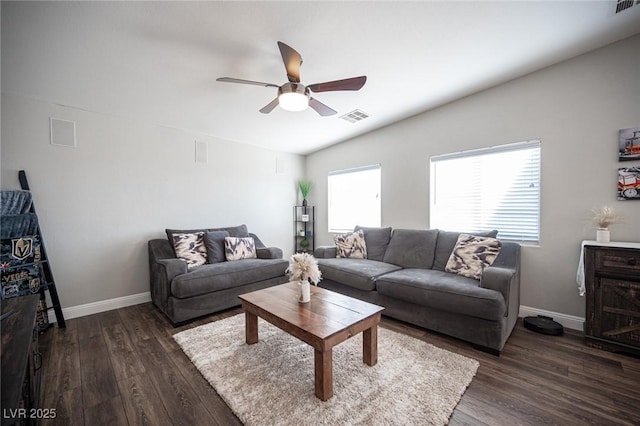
<point x="325" y="252"/>
<point x="269" y="253"/>
<point x="498" y="279"/>
<point x="162" y="272"/>
<point x="504" y="275"/>
<point x="163" y="267"/>
<point x="163" y="264"/>
<point x="171" y="268"/>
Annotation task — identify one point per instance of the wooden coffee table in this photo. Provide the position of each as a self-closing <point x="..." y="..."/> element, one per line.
<point x="329" y="319"/>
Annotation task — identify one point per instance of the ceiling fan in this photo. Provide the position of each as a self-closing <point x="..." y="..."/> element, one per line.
<point x="294" y="96"/>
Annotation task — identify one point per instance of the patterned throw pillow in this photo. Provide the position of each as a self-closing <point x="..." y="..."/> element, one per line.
<point x="351" y="245"/>
<point x="472" y="254"/>
<point x="236" y="248"/>
<point x="191" y="248"/>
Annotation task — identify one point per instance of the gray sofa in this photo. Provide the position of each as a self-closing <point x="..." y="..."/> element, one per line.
<point x="184" y="294"/>
<point x="405" y="272"/>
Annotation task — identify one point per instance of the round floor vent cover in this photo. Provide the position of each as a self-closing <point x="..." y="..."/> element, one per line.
<point x="544" y="325"/>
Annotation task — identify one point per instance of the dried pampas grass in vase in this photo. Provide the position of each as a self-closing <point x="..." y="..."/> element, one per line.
<point x="603" y="218"/>
<point x="303" y="268"/>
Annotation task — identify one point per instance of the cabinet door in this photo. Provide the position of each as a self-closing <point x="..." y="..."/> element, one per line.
<point x="618" y="309"/>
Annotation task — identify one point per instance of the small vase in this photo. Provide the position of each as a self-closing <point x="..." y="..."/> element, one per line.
<point x="603" y="235"/>
<point x="305" y="291"/>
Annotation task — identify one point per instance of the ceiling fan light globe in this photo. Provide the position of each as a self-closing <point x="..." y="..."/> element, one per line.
<point x="293" y="101"/>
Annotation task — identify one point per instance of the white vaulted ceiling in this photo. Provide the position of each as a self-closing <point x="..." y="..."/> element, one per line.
<point x="158" y="61"/>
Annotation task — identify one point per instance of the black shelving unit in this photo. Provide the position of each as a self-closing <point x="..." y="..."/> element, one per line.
<point x="304" y="227"/>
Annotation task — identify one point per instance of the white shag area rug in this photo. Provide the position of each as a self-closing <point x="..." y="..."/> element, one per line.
<point x="272" y="382"/>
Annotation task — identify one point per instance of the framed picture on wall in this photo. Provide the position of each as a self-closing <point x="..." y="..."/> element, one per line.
<point x="629" y="144"/>
<point x="629" y="183"/>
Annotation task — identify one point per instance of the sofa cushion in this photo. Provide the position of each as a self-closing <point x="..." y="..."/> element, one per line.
<point x="214" y="242"/>
<point x="377" y="240"/>
<point x="239" y="231"/>
<point x="190" y="248"/>
<point x="236" y="248"/>
<point x="351" y="245"/>
<point x="412" y="248"/>
<point x="472" y="254"/>
<point x="357" y="273"/>
<point x="220" y="276"/>
<point x="447" y="241"/>
<point x="234" y="231"/>
<point x="443" y="291"/>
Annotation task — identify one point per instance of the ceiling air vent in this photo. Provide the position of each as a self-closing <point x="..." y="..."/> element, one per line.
<point x="625" y="4"/>
<point x="355" y="116"/>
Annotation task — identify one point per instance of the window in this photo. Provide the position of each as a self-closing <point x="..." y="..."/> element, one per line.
<point x="354" y="198"/>
<point x="491" y="188"/>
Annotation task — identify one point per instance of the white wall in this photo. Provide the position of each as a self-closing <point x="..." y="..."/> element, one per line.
<point x="126" y="182"/>
<point x="575" y="108"/>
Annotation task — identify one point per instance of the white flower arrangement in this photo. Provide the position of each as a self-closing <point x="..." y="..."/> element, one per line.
<point x="304" y="267"/>
<point x="605" y="217"/>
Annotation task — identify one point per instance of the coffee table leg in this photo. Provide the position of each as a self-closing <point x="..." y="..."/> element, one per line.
<point x="251" y="328"/>
<point x="323" y="374"/>
<point x="370" y="345"/>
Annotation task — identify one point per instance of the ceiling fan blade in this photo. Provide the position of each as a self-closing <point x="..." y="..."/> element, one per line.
<point x="237" y="80"/>
<point x="292" y="61"/>
<point x="321" y="108"/>
<point x="354" y="83"/>
<point x="270" y="106"/>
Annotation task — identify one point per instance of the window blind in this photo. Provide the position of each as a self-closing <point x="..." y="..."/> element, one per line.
<point x="354" y="198"/>
<point x="489" y="188"/>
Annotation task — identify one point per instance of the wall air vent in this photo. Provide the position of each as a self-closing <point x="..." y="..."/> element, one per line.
<point x="625" y="4"/>
<point x="355" y="116"/>
<point x="63" y="132"/>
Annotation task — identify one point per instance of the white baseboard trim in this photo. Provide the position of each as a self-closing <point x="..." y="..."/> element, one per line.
<point x="567" y="321"/>
<point x="102" y="306"/>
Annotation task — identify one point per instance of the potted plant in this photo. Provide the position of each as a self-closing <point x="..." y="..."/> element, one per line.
<point x="304" y="244"/>
<point x="305" y="187"/>
<point x="303" y="268"/>
<point x="603" y="218"/>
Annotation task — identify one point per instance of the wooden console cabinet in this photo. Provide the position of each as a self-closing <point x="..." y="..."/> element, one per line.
<point x="21" y="361"/>
<point x="612" y="281"/>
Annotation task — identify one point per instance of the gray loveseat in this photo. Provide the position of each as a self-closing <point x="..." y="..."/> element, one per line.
<point x="405" y="272"/>
<point x="186" y="293"/>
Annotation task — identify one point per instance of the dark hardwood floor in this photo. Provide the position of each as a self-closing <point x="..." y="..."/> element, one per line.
<point x="122" y="367"/>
